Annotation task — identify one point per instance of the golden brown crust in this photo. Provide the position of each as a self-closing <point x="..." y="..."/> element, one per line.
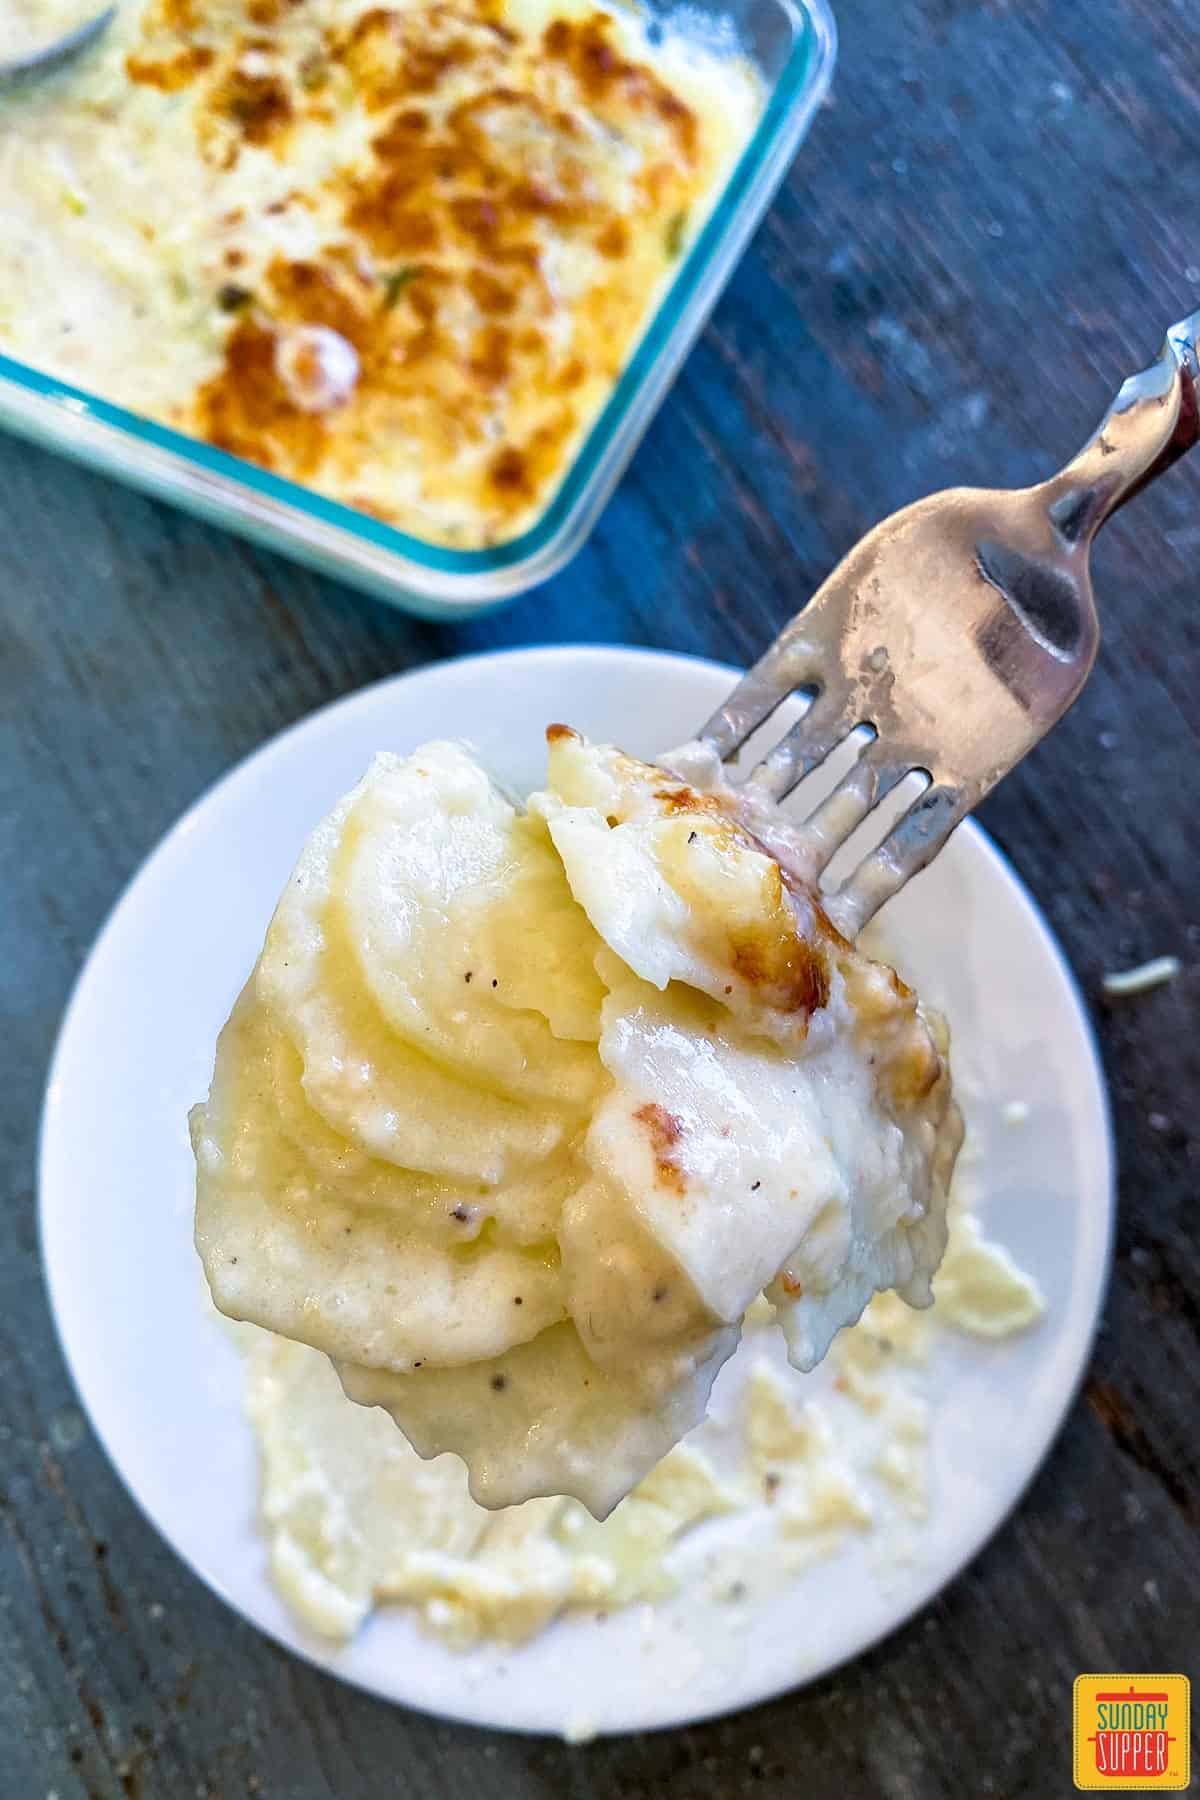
<point x="170" y="73"/>
<point x="909" y="1066"/>
<point x="665" y="1129"/>
<point x="791" y="960"/>
<point x="482" y="171"/>
<point x="788" y="951"/>
<point x="791" y="970"/>
<point x="786" y="954"/>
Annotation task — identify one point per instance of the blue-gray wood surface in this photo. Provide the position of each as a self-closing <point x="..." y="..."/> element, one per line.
<point x="994" y="218"/>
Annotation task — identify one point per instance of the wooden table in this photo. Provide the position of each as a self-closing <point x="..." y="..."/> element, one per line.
<point x="996" y="215"/>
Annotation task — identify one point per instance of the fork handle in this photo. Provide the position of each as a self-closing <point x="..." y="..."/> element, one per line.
<point x="1154" y="419"/>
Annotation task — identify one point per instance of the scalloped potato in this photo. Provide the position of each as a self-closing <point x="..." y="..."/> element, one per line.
<point x="400" y="253"/>
<point x="519" y="1112"/>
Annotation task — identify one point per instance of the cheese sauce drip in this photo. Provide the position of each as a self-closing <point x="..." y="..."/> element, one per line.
<point x="400" y="254"/>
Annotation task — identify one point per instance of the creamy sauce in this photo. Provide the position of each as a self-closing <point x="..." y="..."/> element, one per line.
<point x="398" y="253"/>
<point x="354" y="1519"/>
<point x="519" y="1113"/>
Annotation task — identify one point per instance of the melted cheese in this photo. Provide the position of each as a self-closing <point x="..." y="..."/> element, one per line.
<point x="400" y="253"/>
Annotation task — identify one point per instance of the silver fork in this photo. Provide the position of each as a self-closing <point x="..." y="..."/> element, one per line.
<point x="958" y="631"/>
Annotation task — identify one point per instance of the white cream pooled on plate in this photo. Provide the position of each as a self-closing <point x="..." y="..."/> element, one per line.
<point x="354" y="1519"/>
<point x="518" y="1113"/>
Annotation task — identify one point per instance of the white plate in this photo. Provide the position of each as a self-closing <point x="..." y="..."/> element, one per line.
<point x="162" y="1383"/>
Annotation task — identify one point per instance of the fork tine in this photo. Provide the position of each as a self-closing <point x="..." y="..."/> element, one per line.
<point x="788" y="664"/>
<point x="866" y="782"/>
<point x="912" y="842"/>
<point x="818" y="731"/>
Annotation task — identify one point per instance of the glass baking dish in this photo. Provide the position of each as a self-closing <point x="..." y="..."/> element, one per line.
<point x="792" y="43"/>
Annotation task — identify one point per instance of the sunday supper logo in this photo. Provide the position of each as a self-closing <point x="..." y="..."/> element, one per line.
<point x="1132" y="1731"/>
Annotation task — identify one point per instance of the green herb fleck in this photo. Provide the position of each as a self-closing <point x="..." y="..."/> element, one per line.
<point x="314" y="74"/>
<point x="231" y="298"/>
<point x="395" y="283"/>
<point x="74" y="201"/>
<point x="676" y="233"/>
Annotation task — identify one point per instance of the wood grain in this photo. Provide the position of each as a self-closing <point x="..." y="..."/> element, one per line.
<point x="993" y="221"/>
